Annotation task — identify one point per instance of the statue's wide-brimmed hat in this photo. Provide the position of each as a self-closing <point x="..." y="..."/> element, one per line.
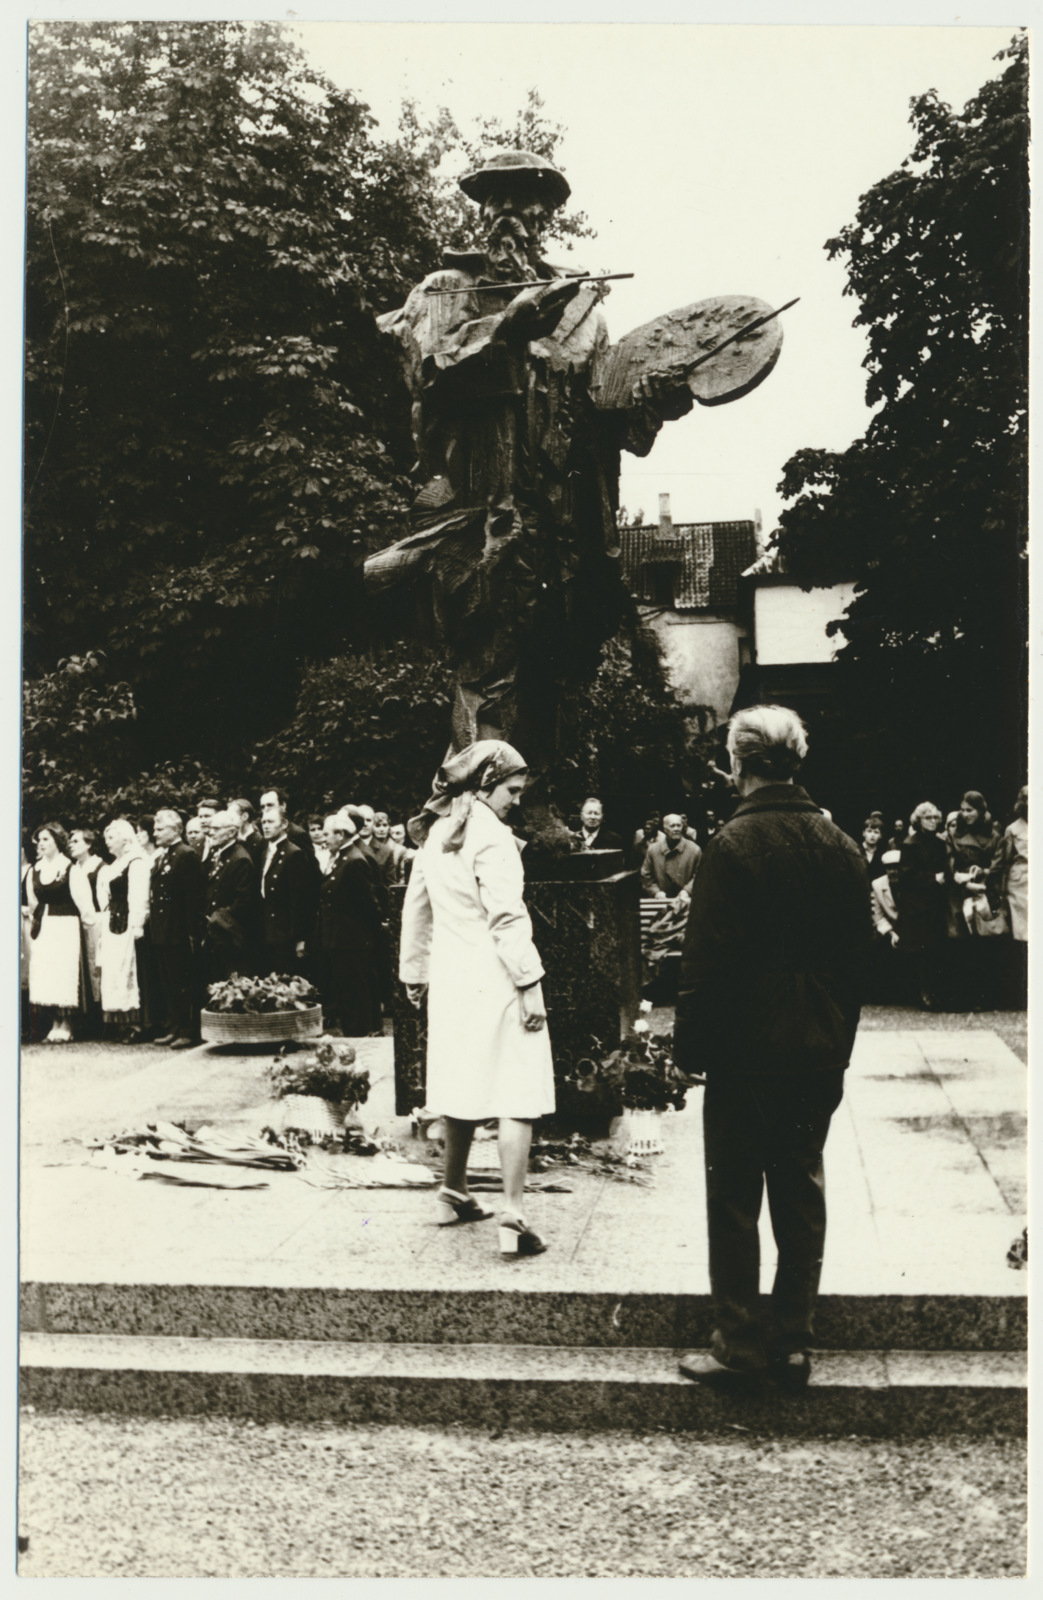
<point x="544" y="179"/>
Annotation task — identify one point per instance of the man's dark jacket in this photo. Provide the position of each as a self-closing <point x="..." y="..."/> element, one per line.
<point x="349" y="913"/>
<point x="232" y="901"/>
<point x="777" y="942"/>
<point x="288" y="903"/>
<point x="604" y="839"/>
<point x="176" y="898"/>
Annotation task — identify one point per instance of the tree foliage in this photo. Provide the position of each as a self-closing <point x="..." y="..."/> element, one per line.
<point x="928" y="511"/>
<point x="213" y="434"/>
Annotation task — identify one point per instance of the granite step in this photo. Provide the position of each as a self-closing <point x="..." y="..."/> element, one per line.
<point x="519" y="1385"/>
<point x="515" y="1314"/>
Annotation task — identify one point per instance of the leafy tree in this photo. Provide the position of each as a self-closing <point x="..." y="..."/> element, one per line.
<point x="369" y="727"/>
<point x="76" y="722"/>
<point x="928" y="511"/>
<point x="213" y="435"/>
<point x="80" y="757"/>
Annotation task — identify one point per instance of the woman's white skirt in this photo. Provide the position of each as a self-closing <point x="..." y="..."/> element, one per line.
<point x="54" y="963"/>
<point x="92" y="958"/>
<point x="119" y="971"/>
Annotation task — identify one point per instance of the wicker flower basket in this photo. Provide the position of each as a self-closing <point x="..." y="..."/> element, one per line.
<point x="260" y="1027"/>
<point x="319" y="1118"/>
<point x="641" y="1133"/>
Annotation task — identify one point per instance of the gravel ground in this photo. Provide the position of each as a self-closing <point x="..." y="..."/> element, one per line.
<point x="188" y="1498"/>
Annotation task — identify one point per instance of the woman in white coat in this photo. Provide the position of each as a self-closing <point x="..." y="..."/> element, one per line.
<point x="467" y="941"/>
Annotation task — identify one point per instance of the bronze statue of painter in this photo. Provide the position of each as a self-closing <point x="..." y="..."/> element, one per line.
<point x="521" y="407"/>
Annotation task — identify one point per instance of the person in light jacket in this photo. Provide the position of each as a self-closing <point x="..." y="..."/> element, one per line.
<point x="467" y="941"/>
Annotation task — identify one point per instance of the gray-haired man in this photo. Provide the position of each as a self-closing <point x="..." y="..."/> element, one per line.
<point x="768" y="1003"/>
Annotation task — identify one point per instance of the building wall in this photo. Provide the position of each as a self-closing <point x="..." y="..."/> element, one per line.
<point x="701" y="658"/>
<point x="790" y="625"/>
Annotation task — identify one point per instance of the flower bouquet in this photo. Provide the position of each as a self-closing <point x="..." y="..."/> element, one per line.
<point x="316" y="1094"/>
<point x="272" y="993"/>
<point x="638" y="1077"/>
<point x="244" y="1010"/>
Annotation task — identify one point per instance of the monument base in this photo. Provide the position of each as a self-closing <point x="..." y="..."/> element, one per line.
<point x="589" y="938"/>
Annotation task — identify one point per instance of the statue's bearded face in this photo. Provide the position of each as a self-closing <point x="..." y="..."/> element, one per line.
<point x="515" y="222"/>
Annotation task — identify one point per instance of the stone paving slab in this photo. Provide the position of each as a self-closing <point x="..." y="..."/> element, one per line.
<point x="541" y="1387"/>
<point x="925" y="1172"/>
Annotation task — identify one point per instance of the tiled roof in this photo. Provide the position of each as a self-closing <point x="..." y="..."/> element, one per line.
<point x="772" y="563"/>
<point x="709" y="558"/>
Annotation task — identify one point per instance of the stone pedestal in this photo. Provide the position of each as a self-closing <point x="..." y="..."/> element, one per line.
<point x="589" y="938"/>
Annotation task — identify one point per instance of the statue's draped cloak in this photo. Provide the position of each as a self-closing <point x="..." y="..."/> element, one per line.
<point x="514" y="527"/>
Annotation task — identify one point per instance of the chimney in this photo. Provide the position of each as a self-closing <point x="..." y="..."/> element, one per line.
<point x="666" y="526"/>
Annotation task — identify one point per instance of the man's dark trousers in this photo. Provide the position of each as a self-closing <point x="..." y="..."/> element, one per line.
<point x="179" y="985"/>
<point x="757" y="1130"/>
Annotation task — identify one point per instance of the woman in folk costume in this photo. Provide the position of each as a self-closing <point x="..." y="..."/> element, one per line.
<point x="123" y="896"/>
<point x="54" y="957"/>
<point x="467" y="939"/>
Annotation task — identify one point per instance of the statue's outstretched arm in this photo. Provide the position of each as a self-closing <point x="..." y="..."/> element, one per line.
<point x="657" y="372"/>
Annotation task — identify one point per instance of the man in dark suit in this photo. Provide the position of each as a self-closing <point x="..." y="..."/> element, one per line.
<point x="206" y="811"/>
<point x="768" y="1003"/>
<point x="176" y="926"/>
<point x="231" y="902"/>
<point x="593" y="835"/>
<point x="349" y="929"/>
<point x="289" y="890"/>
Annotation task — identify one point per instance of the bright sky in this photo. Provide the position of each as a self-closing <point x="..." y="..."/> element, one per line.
<point x="710" y="160"/>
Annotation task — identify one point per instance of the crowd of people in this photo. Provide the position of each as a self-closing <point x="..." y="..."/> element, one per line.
<point x="950" y="905"/>
<point x="949" y="897"/>
<point x="125" y="927"/>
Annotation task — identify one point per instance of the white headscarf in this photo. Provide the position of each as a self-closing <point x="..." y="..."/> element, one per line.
<point x="481" y="766"/>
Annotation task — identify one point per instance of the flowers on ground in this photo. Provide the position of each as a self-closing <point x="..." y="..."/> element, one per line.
<point x="639" y="1075"/>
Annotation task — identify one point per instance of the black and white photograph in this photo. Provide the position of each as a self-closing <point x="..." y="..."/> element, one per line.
<point x="524" y="799"/>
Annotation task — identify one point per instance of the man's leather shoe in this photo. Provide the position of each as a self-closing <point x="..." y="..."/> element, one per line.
<point x="167" y="1038"/>
<point x="791" y="1372"/>
<point x="705" y="1368"/>
<point x="181" y="1044"/>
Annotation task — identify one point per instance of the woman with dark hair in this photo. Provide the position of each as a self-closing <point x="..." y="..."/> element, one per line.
<point x="467" y="938"/>
<point x="920" y="896"/>
<point x="873" y="844"/>
<point x="83" y="881"/>
<point x="54" y="959"/>
<point x="975" y="860"/>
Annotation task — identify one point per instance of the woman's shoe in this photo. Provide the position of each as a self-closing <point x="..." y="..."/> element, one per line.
<point x="517" y="1239"/>
<point x="453" y="1207"/>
